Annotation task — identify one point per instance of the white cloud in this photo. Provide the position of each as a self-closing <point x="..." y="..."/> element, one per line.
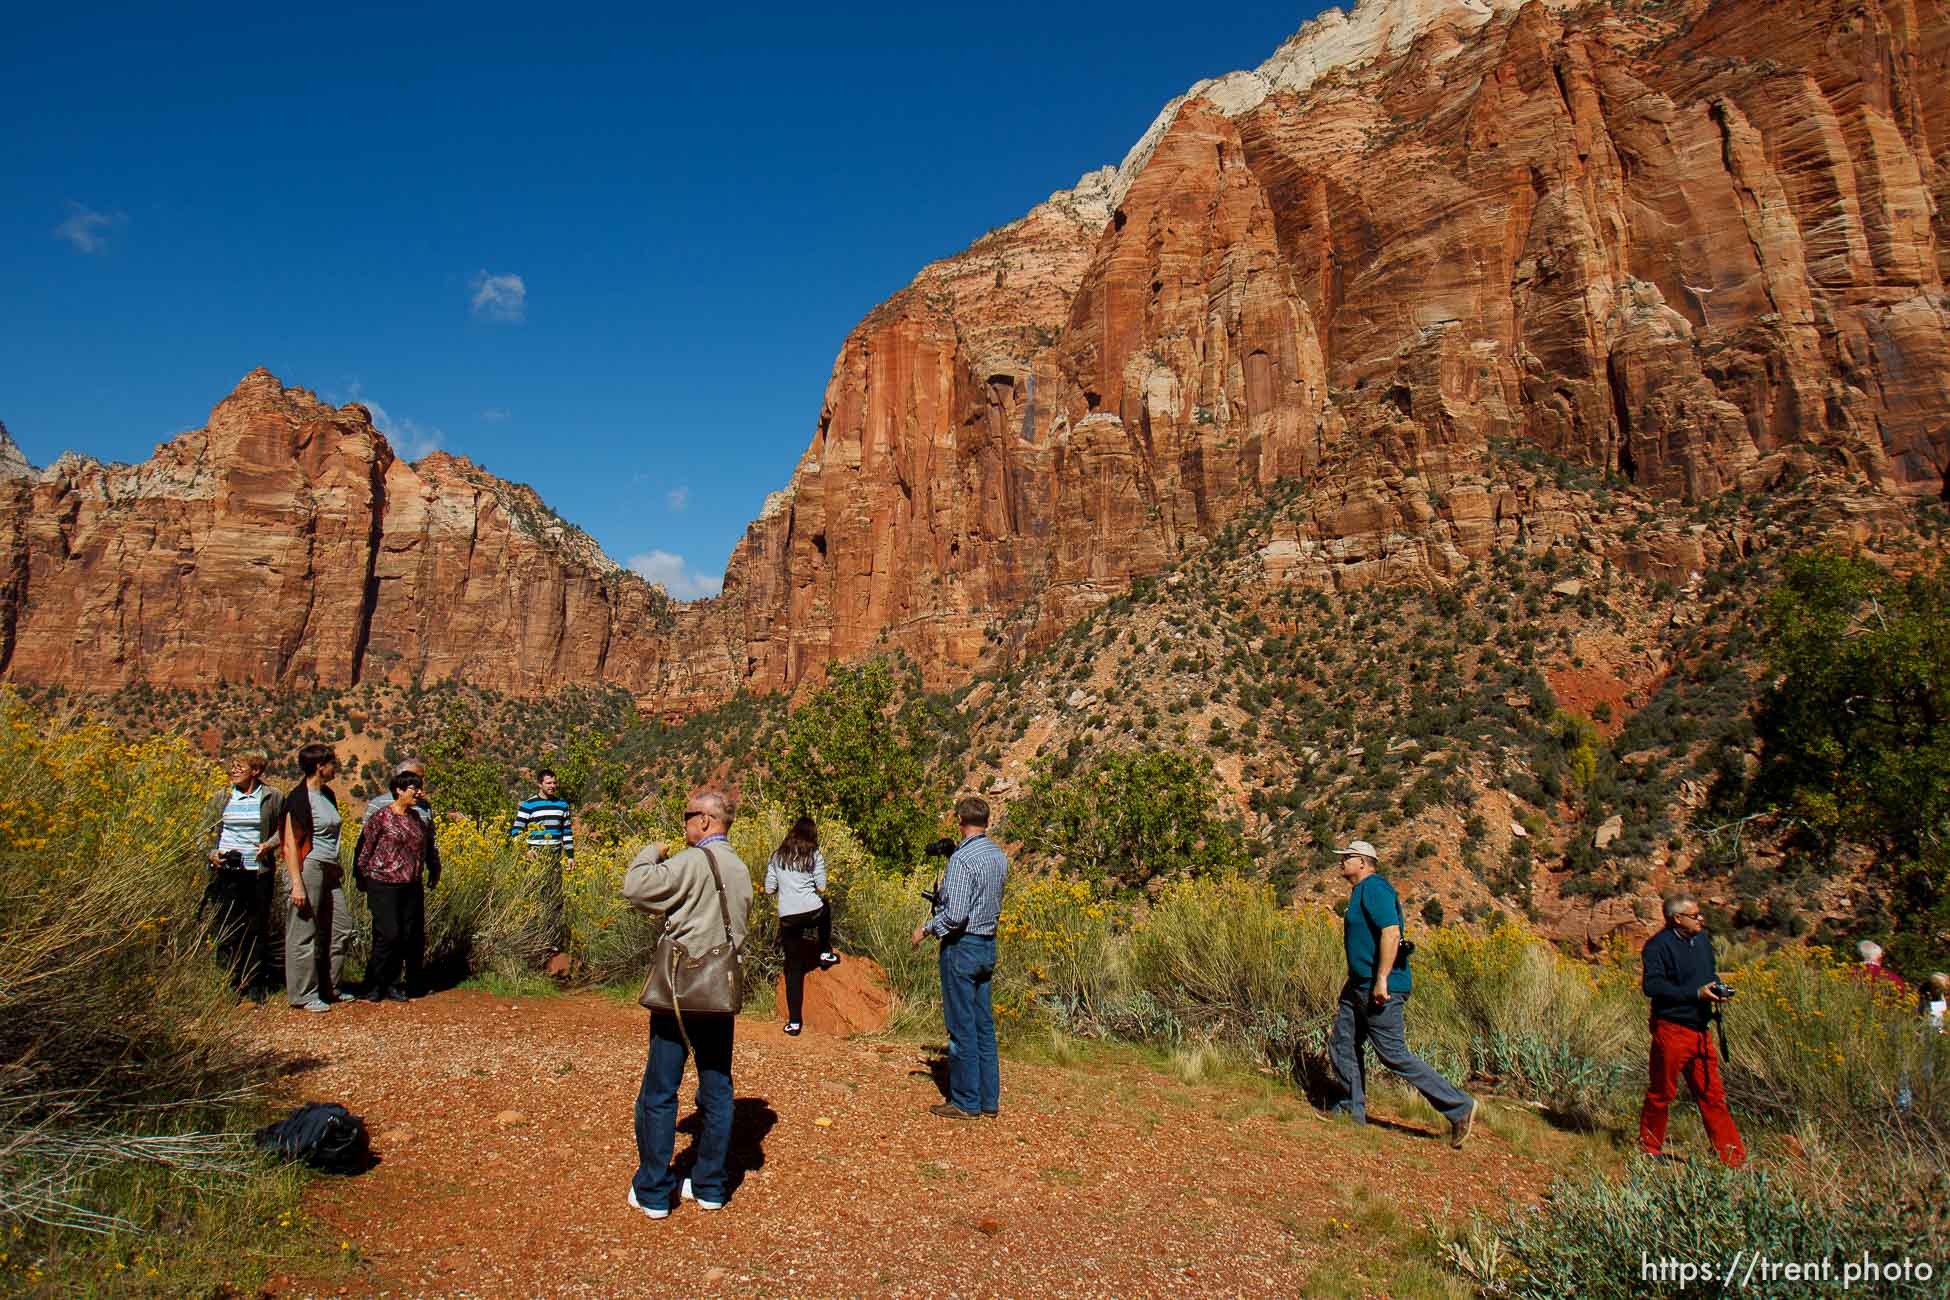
<point x="674" y="576"/>
<point x="411" y="440"/>
<point x="499" y="297"/>
<point x="678" y="499"/>
<point x="88" y="229"/>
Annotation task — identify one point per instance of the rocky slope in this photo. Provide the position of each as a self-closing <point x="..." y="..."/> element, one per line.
<point x="1691" y="242"/>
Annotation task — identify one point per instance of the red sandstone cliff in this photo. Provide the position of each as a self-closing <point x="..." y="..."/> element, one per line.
<point x="1686" y="241"/>
<point x="1693" y="242"/>
<point x="284" y="542"/>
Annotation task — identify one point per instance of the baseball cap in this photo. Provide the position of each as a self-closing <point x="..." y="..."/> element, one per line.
<point x="1361" y="847"/>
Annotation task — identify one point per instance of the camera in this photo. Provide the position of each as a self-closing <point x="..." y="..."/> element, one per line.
<point x="1721" y="989"/>
<point x="233" y="859"/>
<point x="941" y="848"/>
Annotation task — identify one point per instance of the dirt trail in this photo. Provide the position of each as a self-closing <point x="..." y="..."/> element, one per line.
<point x="503" y="1131"/>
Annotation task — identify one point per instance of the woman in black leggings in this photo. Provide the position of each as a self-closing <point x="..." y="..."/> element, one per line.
<point x="797" y="875"/>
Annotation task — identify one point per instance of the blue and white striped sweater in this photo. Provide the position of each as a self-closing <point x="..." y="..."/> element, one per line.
<point x="545" y="824"/>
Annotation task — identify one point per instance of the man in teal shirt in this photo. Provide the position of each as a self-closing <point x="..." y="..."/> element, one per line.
<point x="1375" y="997"/>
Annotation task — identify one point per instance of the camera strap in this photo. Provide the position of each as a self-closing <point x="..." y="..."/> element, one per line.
<point x="1720" y="1030"/>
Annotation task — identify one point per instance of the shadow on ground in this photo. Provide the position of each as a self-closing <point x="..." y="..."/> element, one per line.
<point x="751" y="1119"/>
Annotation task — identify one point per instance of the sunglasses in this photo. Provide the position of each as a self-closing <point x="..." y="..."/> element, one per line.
<point x="694" y="812"/>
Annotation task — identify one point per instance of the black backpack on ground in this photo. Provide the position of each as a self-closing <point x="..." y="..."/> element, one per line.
<point x="323" y="1134"/>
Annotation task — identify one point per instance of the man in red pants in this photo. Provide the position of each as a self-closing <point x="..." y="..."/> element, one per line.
<point x="1680" y="979"/>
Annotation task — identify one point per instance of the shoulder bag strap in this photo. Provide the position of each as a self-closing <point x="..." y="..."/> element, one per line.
<point x="724" y="912"/>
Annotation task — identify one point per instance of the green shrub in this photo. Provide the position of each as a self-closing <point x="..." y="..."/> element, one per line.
<point x="1127" y="819"/>
<point x="1594" y="1234"/>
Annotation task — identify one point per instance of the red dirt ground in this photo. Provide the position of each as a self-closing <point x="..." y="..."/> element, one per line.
<point x="503" y="1129"/>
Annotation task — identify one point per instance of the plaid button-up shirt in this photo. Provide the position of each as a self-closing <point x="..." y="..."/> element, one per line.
<point x="971" y="890"/>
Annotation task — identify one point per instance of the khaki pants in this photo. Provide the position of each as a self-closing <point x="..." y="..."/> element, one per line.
<point x="311" y="968"/>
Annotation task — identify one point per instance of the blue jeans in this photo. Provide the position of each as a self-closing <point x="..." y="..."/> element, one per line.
<point x="967" y="978"/>
<point x="656" y="1108"/>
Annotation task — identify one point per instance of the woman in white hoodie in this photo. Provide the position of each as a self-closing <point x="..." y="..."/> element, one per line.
<point x="797" y="876"/>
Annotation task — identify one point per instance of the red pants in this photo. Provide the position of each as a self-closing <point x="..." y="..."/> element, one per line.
<point x="1678" y="1050"/>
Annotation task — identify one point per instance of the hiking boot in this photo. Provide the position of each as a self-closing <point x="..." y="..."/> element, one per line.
<point x="645" y="1210"/>
<point x="948" y="1110"/>
<point x="1460" y="1130"/>
<point x="991" y="1114"/>
<point x="396" y="994"/>
<point x="702" y="1204"/>
<point x="793" y="1027"/>
<point x="372" y="996"/>
<point x="316" y="1004"/>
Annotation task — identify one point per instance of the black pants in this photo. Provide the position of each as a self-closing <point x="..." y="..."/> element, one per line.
<point x="800" y="955"/>
<point x="399" y="935"/>
<point x="241" y="902"/>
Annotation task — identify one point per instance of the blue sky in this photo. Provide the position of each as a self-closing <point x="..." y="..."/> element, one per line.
<point x="603" y="252"/>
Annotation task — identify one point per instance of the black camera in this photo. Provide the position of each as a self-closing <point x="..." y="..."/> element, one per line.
<point x="233" y="859"/>
<point x="1721" y="989"/>
<point x="941" y="848"/>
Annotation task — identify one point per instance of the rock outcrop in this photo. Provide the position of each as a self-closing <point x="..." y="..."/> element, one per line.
<point x="284" y="542"/>
<point x="1692" y="243"/>
<point x="850" y="998"/>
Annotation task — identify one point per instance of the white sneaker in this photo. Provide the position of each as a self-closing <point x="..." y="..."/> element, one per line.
<point x="688" y="1195"/>
<point x="316" y="1004"/>
<point x="645" y="1210"/>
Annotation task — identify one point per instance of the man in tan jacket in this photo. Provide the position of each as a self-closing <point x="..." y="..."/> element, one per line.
<point x="684" y="888"/>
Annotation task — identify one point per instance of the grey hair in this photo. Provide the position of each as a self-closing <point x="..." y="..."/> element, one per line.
<point x="1870" y="950"/>
<point x="412" y="763"/>
<point x="1676" y="901"/>
<point x="717" y="802"/>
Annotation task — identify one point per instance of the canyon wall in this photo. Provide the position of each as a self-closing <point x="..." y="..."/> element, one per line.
<point x="1695" y="244"/>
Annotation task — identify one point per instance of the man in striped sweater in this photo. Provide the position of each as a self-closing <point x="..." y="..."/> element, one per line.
<point x="547" y="827"/>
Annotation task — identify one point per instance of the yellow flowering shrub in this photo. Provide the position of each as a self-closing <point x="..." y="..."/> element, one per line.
<point x="1810" y="1036"/>
<point x="1055" y="938"/>
<point x="103" y="950"/>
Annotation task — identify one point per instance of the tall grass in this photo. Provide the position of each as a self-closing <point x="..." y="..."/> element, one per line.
<point x="126" y="1087"/>
<point x="1224" y="961"/>
<point x="1595" y="1235"/>
<point x="1507" y="1006"/>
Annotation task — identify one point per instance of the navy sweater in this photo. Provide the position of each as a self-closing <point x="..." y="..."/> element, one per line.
<point x="1676" y="969"/>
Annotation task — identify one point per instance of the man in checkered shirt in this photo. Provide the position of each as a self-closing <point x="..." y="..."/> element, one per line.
<point x="971" y="902"/>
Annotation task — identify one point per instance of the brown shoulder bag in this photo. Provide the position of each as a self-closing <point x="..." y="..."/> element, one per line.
<point x="709" y="983"/>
